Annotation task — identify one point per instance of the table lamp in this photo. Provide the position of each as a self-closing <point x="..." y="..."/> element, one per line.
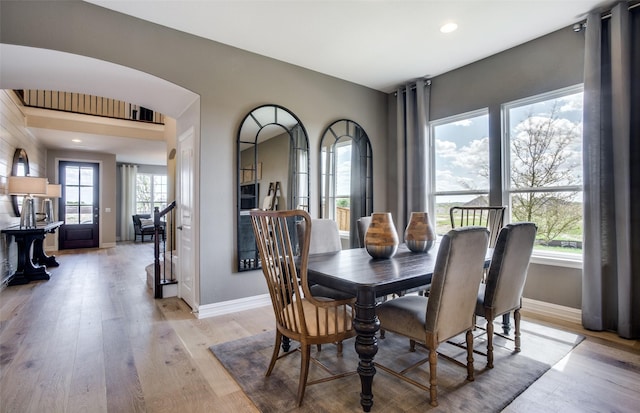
<point x="53" y="191"/>
<point x="27" y="186"/>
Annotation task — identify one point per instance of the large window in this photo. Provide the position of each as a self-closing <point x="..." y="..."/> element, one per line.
<point x="151" y="192"/>
<point x="543" y="157"/>
<point x="460" y="159"/>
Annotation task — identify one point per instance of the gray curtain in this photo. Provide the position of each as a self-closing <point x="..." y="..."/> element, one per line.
<point x="128" y="201"/>
<point x="361" y="187"/>
<point x="413" y="130"/>
<point x="611" y="269"/>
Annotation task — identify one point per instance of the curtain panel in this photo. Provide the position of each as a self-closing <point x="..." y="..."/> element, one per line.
<point x="412" y="134"/>
<point x="128" y="201"/>
<point x="611" y="159"/>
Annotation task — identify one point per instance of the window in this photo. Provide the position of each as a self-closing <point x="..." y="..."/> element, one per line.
<point x="543" y="157"/>
<point x="460" y="160"/>
<point x="151" y="192"/>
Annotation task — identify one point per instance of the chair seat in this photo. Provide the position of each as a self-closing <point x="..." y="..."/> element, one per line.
<point x="327" y="323"/>
<point x="406" y="315"/>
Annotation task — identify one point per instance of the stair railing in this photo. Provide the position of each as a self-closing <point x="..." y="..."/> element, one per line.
<point x="160" y="271"/>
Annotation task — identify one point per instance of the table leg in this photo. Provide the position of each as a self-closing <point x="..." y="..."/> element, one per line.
<point x="366" y="324"/>
<point x="27" y="271"/>
<point x="41" y="257"/>
<point x="506" y="323"/>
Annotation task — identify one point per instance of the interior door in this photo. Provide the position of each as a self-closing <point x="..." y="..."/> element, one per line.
<point x="79" y="206"/>
<point x="187" y="281"/>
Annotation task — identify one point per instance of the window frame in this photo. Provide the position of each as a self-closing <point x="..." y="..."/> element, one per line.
<point x="555" y="258"/>
<point x="433" y="193"/>
<point x="153" y="201"/>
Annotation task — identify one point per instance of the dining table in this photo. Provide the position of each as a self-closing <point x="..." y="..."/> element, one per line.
<point x="355" y="272"/>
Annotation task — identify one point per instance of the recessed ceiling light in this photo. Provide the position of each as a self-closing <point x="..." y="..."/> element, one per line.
<point x="448" y="27"/>
<point x="76" y="140"/>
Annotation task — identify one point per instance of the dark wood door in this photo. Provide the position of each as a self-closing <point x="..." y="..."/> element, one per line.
<point x="79" y="205"/>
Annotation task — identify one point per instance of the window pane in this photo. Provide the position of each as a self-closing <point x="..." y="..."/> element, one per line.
<point x="444" y="203"/>
<point x="558" y="216"/>
<point x="71" y="214"/>
<point x="72" y="175"/>
<point x="86" y="196"/>
<point x="86" y="214"/>
<point x="544" y="150"/>
<point x="462" y="154"/>
<point x="546" y="143"/>
<point x="86" y="176"/>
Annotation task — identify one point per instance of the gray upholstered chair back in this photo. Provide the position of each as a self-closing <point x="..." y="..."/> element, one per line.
<point x="325" y="236"/>
<point x="455" y="282"/>
<point x="509" y="265"/>
<point x="362" y="227"/>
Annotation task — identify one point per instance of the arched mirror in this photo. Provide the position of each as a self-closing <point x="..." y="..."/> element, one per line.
<point x="20" y="167"/>
<point x="273" y="171"/>
<point x="346" y="176"/>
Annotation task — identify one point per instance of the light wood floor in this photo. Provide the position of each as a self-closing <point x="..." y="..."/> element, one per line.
<point x="93" y="339"/>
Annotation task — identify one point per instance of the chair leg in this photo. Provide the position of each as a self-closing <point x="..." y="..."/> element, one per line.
<point x="304" y="371"/>
<point x="489" y="343"/>
<point x="470" y="355"/>
<point x="276" y="351"/>
<point x="433" y="386"/>
<point x="516" y="317"/>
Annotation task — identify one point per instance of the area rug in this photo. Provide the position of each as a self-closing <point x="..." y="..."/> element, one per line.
<point x="247" y="360"/>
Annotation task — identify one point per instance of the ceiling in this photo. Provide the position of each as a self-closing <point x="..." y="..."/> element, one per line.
<point x="379" y="44"/>
<point x="376" y="43"/>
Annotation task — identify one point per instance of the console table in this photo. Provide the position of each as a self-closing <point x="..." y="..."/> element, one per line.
<point x="30" y="267"/>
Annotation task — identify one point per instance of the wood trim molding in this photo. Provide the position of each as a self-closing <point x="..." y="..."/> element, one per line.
<point x="552" y="311"/>
<point x="232" y="306"/>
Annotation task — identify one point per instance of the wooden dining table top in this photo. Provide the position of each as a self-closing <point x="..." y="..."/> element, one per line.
<point x="349" y="270"/>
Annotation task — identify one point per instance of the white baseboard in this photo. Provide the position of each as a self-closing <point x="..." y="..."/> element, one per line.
<point x="550" y="310"/>
<point x="232" y="306"/>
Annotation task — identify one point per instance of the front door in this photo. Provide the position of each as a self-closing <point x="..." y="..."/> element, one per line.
<point x="79" y="207"/>
<point x="186" y="253"/>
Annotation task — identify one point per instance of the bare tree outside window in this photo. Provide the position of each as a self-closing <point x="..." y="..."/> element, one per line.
<point x="546" y="168"/>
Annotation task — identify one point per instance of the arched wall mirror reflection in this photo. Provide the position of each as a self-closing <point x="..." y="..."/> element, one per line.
<point x="273" y="171"/>
<point x="20" y="167"/>
<point x="346" y="176"/>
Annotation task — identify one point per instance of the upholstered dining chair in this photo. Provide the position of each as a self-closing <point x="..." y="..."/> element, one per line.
<point x="502" y="292"/>
<point x="448" y="310"/>
<point x="299" y="315"/>
<point x="491" y="217"/>
<point x="362" y="225"/>
<point x="325" y="237"/>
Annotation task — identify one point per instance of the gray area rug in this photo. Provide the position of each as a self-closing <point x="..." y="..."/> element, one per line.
<point x="247" y="360"/>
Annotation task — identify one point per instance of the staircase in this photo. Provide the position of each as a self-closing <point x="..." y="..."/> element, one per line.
<point x="168" y="283"/>
<point x="161" y="275"/>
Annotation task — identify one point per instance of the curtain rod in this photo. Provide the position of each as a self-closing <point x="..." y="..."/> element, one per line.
<point x="412" y="86"/>
<point x="605" y="15"/>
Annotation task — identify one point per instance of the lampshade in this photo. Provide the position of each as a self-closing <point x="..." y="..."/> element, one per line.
<point x="27" y="185"/>
<point x="53" y="191"/>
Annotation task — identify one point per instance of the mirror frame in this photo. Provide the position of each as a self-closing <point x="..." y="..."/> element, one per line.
<point x="363" y="194"/>
<point x="298" y="174"/>
<point x="19" y="157"/>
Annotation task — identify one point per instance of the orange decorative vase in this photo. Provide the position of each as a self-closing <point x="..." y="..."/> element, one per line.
<point x="381" y="239"/>
<point x="419" y="235"/>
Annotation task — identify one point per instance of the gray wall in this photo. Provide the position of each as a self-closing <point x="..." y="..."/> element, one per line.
<point x="230" y="83"/>
<point x="541" y="65"/>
